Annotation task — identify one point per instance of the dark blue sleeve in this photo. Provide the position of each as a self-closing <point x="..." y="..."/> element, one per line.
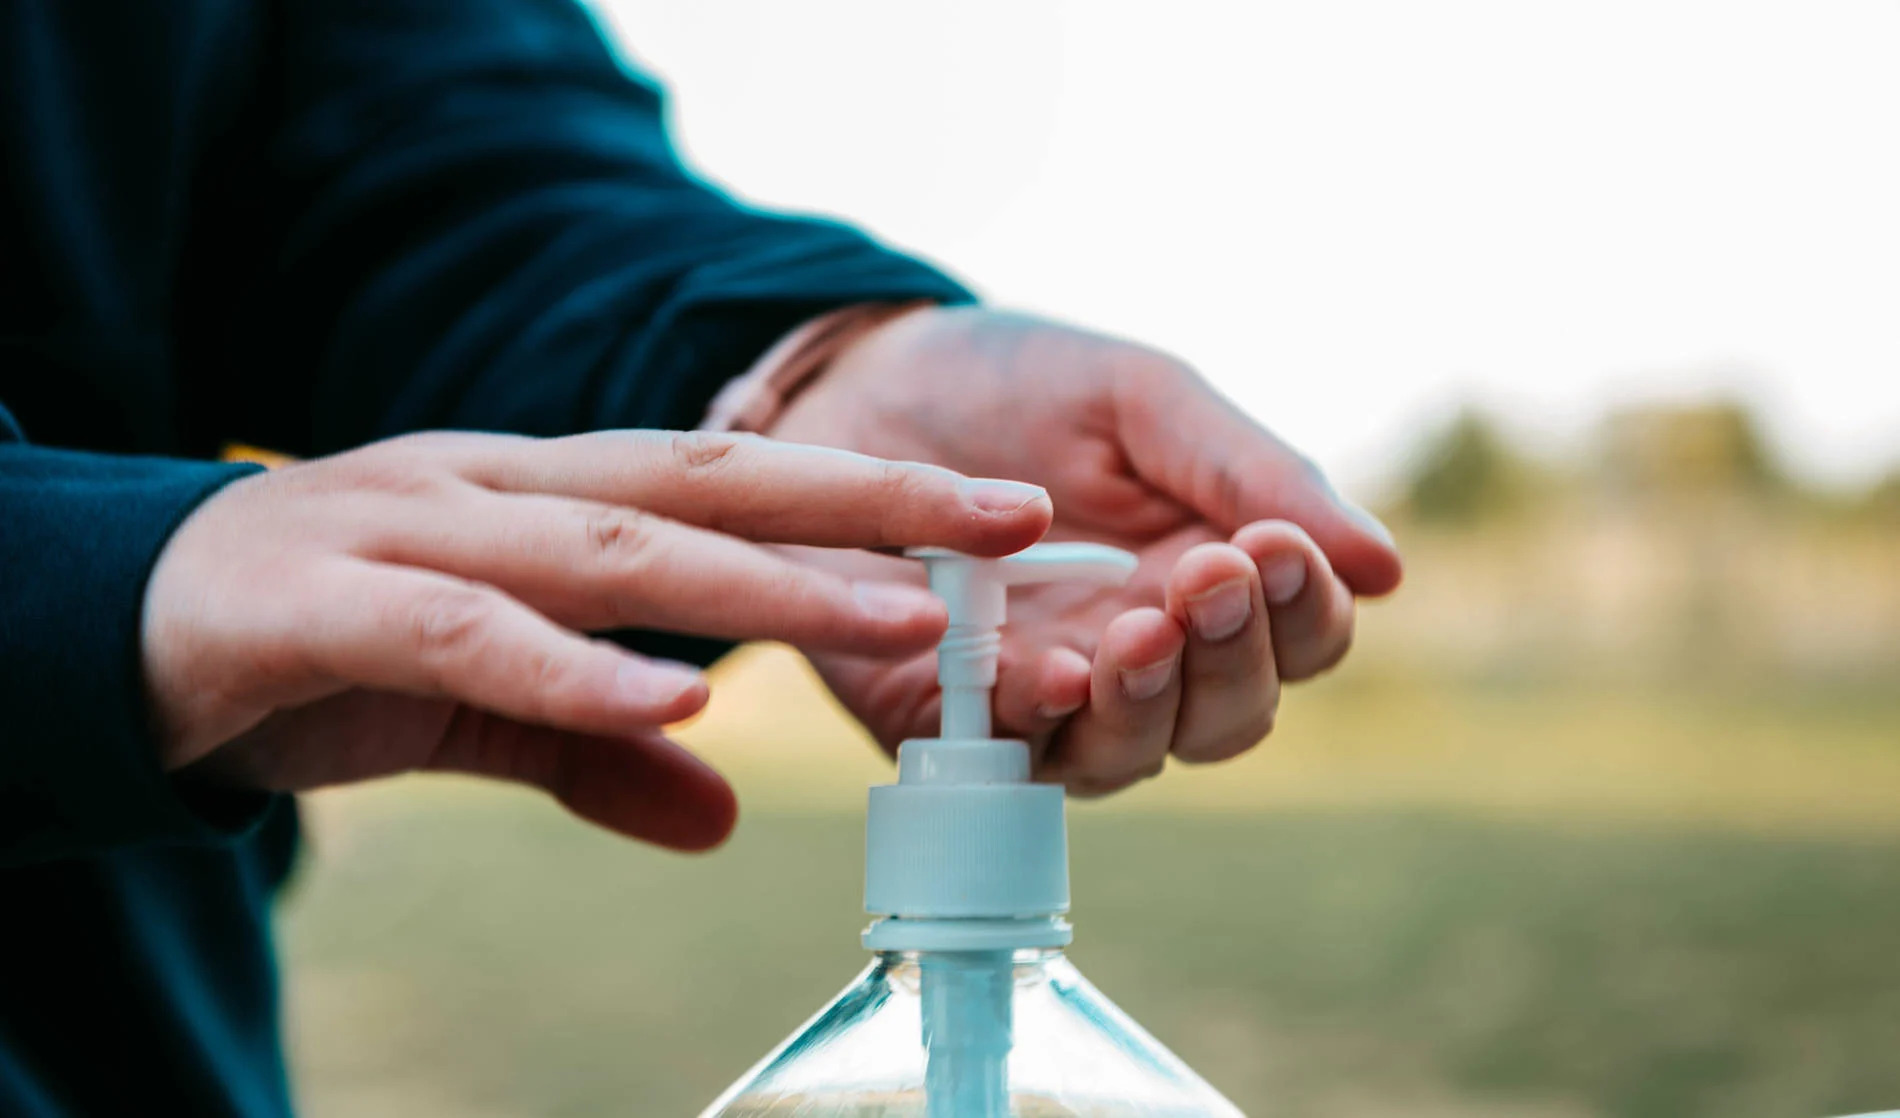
<point x="485" y="226"/>
<point x="79" y="768"/>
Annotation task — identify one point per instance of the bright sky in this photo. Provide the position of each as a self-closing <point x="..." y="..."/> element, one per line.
<point x="1355" y="215"/>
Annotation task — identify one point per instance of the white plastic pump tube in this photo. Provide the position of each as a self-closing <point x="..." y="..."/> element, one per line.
<point x="965" y="858"/>
<point x="967" y="1032"/>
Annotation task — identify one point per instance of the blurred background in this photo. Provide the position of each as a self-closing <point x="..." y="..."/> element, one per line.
<point x="1595" y="303"/>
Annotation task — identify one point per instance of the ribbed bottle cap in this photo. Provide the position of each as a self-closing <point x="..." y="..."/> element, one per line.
<point x="963" y="835"/>
<point x="963" y="852"/>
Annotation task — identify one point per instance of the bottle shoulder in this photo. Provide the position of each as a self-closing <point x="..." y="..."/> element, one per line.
<point x="890" y="1040"/>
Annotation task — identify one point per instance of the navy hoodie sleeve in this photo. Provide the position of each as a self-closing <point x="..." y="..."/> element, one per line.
<point x="79" y="766"/>
<point x="484" y="225"/>
<point x="407" y="214"/>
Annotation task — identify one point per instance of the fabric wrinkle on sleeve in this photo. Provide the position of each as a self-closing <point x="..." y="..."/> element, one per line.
<point x="79" y="761"/>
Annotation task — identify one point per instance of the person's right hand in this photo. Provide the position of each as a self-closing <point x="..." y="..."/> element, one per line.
<point x="420" y="604"/>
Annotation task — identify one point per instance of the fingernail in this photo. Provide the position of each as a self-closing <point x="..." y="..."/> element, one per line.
<point x="1142" y="684"/>
<point x="1221" y="612"/>
<point x="1050" y="711"/>
<point x="1369" y="522"/>
<point x="1283" y="578"/>
<point x="648" y="683"/>
<point x="998" y="497"/>
<point x="892" y="601"/>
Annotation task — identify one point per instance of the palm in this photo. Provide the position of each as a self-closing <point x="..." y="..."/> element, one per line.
<point x="898" y="699"/>
<point x="1108" y="428"/>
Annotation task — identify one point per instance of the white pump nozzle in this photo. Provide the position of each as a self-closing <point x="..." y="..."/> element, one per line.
<point x="965" y="859"/>
<point x="975" y="591"/>
<point x="964" y="851"/>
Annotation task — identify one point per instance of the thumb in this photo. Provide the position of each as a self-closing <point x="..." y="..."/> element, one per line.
<point x="1186" y="439"/>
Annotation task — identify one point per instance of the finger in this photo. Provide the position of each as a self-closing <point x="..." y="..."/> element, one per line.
<point x="593" y="567"/>
<point x="641" y="785"/>
<point x="1035" y="694"/>
<point x="421" y="633"/>
<point x="888" y="698"/>
<point x="1196" y="445"/>
<point x="1312" y="609"/>
<point x="1229" y="687"/>
<point x="1134" y="691"/>
<point x="775" y="492"/>
<point x="357" y="734"/>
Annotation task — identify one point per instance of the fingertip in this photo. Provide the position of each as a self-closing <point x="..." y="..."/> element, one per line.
<point x="710" y="824"/>
<point x="898" y="617"/>
<point x="1141" y="638"/>
<point x="1375" y="574"/>
<point x="654" y="790"/>
<point x="991" y="540"/>
<point x="1063" y="687"/>
<point x="1368" y="569"/>
<point x="1208" y="566"/>
<point x="1288" y="559"/>
<point x="1366" y="556"/>
<point x="690" y="702"/>
<point x="1005" y="516"/>
<point x="659" y="691"/>
<point x="1263" y="537"/>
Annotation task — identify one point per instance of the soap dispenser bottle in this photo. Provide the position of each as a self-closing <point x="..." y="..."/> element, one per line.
<point x="969" y="1008"/>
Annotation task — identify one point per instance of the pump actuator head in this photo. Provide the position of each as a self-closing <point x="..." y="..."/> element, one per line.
<point x="963" y="853"/>
<point x="975" y="591"/>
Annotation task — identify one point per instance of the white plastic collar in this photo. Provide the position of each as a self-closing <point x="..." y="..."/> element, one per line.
<point x="963" y="852"/>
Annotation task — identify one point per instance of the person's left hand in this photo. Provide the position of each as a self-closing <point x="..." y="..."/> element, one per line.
<point x="1249" y="560"/>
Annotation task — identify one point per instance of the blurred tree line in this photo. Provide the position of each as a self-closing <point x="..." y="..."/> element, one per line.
<point x="1469" y="471"/>
<point x="1673" y="544"/>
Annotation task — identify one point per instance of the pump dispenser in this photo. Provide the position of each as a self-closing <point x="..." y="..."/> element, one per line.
<point x="970" y="1010"/>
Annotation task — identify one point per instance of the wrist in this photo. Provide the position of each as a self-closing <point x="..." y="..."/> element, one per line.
<point x="757" y="400"/>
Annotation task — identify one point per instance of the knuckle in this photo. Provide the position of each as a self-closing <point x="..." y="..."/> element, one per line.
<point x="1148" y="381"/>
<point x="896" y="480"/>
<point x="618" y="537"/>
<point x="417" y="443"/>
<point x="898" y="488"/>
<point x="1227" y="490"/>
<point x="541" y="673"/>
<point x="396" y="470"/>
<point x="700" y="452"/>
<point x="449" y="624"/>
<point x="903" y="483"/>
<point x="1154" y="368"/>
<point x="816" y="605"/>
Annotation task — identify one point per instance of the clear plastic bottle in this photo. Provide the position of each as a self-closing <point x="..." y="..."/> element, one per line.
<point x="970" y="1010"/>
<point x="1072" y="1054"/>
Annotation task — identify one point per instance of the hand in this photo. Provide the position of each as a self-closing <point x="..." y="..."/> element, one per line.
<point x="1249" y="560"/>
<point x="419" y="604"/>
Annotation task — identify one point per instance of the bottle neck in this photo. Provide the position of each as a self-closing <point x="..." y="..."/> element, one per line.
<point x="893" y="933"/>
<point x="1021" y="957"/>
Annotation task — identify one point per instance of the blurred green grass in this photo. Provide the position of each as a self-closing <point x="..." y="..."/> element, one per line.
<point x="1439" y="898"/>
